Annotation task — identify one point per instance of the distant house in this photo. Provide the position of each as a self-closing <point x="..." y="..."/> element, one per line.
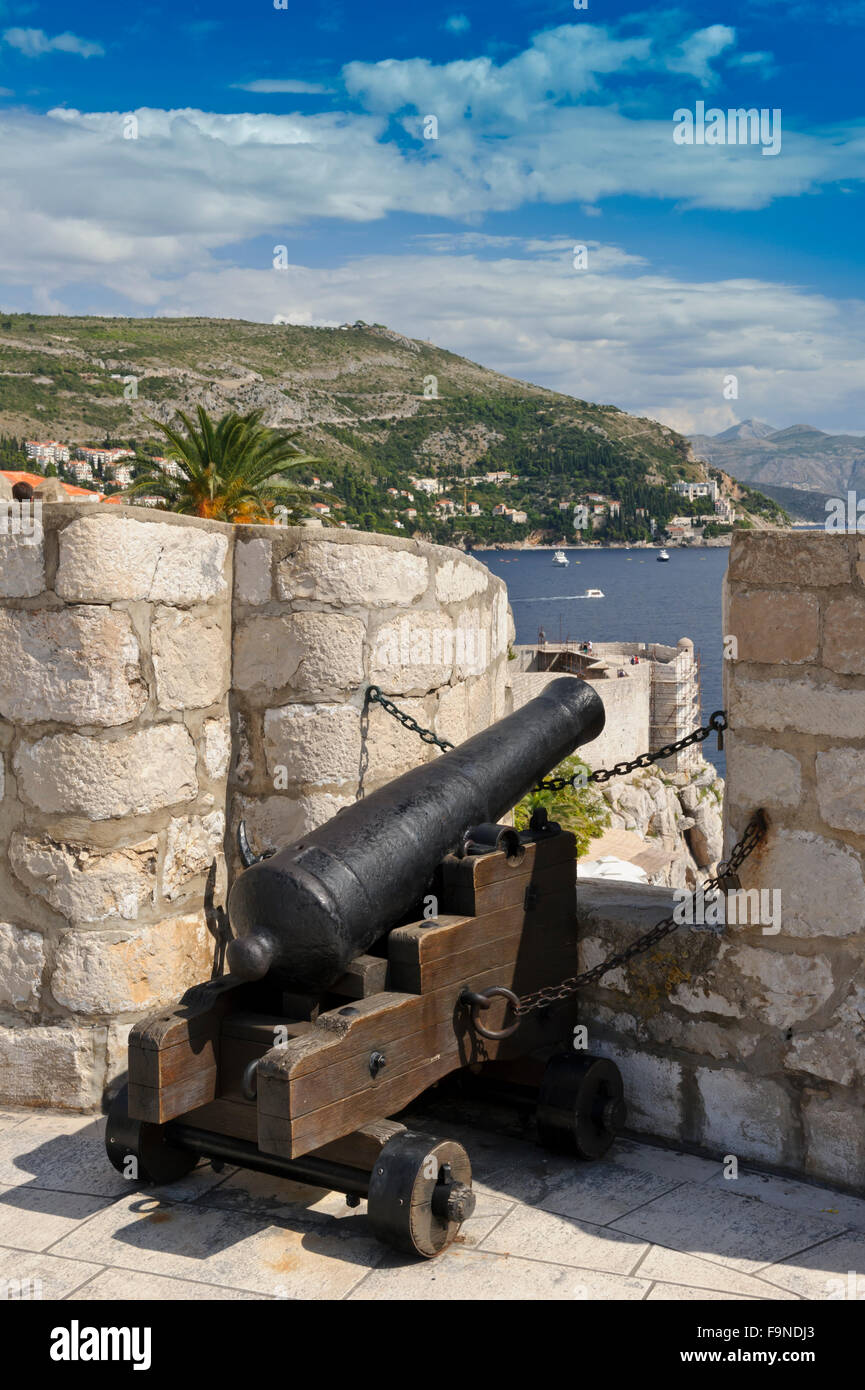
<point x="411" y="513"/>
<point x="519" y="517"/>
<point x="496" y="477"/>
<point x="320" y="508"/>
<point x="48" y="451"/>
<point x="692" y="490"/>
<point x="473" y="509"/>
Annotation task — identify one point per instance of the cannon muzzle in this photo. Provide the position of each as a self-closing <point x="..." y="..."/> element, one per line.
<point x="308" y="910"/>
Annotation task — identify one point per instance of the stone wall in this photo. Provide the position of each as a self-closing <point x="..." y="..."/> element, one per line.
<point x="128" y="751"/>
<point x="751" y="1041"/>
<point x="318" y="617"/>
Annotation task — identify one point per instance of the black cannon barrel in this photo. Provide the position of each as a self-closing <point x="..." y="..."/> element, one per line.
<point x="308" y="910"/>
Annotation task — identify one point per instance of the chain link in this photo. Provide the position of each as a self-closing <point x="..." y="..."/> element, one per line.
<point x="540" y="998"/>
<point x="725" y="878"/>
<point x="716" y="725"/>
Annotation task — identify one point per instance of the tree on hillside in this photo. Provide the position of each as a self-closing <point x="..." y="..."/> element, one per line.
<point x="232" y="469"/>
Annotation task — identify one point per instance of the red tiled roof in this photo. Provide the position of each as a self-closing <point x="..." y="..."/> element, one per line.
<point x="36" y="480"/>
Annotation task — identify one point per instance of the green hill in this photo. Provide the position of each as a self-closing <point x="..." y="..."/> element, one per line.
<point x="377" y="407"/>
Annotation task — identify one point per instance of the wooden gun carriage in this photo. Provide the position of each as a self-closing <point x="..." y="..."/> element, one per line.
<point x="292" y="1063"/>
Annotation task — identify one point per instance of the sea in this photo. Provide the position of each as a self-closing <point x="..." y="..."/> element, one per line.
<point x="645" y="600"/>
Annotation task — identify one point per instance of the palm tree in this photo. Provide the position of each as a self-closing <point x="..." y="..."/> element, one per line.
<point x="233" y="469"/>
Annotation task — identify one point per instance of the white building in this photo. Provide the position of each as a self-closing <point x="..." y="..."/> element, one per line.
<point x="692" y="490"/>
<point x="48" y="451"/>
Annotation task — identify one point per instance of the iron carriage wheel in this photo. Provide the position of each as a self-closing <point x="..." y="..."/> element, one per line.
<point x="154" y="1158"/>
<point x="581" y="1106"/>
<point x="420" y="1193"/>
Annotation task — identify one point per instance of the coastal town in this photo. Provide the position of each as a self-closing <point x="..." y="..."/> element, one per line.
<point x="585" y="519"/>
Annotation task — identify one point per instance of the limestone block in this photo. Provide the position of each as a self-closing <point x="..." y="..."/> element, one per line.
<point x="22" y="563"/>
<point x="413" y="654"/>
<point x="700" y="1001"/>
<point x="456" y="580"/>
<point x="773" y="626"/>
<point x="503" y="630"/>
<point x="776" y="557"/>
<point x="190" y="658"/>
<point x="801" y="705"/>
<point x="2" y="777"/>
<point x="116" y="1057"/>
<point x="191" y="845"/>
<point x="76" y="665"/>
<point x="217" y="747"/>
<point x="275" y="821"/>
<point x="783" y="988"/>
<point x="22" y="959"/>
<point x="801" y="864"/>
<point x="101" y="778"/>
<point x="393" y="749"/>
<point x="105" y="558"/>
<point x="745" y="1115"/>
<point x="314" y="653"/>
<point x="653" y="1088"/>
<point x="315" y="743"/>
<point x="83" y="883"/>
<point x="369" y="575"/>
<point x="762" y="776"/>
<point x="834" y="1138"/>
<point x="452" y="716"/>
<point x="592" y="950"/>
<point x="844" y="635"/>
<point x="473" y="644"/>
<point x="835" y="1053"/>
<point x="51" y="1066"/>
<point x="111" y="973"/>
<point x="841" y="788"/>
<point x="252" y="570"/>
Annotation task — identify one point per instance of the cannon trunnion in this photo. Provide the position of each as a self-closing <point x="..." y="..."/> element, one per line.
<point x="272" y="1074"/>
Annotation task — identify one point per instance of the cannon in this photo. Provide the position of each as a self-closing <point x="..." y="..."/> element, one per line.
<point x="369" y="961"/>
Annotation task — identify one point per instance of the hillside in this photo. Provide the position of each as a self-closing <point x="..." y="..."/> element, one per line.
<point x="375" y="406"/>
<point x="799" y="456"/>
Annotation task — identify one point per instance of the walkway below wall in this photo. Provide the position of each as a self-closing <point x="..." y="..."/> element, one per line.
<point x="646" y="1224"/>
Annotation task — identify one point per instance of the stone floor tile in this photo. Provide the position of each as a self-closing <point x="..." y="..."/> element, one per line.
<point x="53" y="1278"/>
<point x="675" y="1267"/>
<point x="679" y="1293"/>
<point x="204" y="1245"/>
<point x="817" y="1203"/>
<point x="833" y="1271"/>
<point x="31" y="1219"/>
<point x="664" y="1163"/>
<point x="541" y="1235"/>
<point x="117" y="1284"/>
<point x="66" y="1153"/>
<point x="596" y="1192"/>
<point x="472" y="1274"/>
<point x="738" y="1231"/>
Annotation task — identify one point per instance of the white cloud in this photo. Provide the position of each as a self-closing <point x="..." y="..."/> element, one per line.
<point x="267" y="84"/>
<point x="694" y="56"/>
<point x="457" y="24"/>
<point x="34" y="43"/>
<point x="618" y="332"/>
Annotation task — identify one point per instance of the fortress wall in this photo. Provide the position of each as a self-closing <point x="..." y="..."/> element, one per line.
<point x="115" y="631"/>
<point x="160" y="676"/>
<point x="321" y="614"/>
<point x="750" y="1042"/>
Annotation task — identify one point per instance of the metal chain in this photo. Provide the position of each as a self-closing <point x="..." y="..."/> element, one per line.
<point x="716" y="725"/>
<point x="725" y="878"/>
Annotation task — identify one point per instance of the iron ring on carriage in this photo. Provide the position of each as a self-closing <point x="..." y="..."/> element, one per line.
<point x="483" y="1001"/>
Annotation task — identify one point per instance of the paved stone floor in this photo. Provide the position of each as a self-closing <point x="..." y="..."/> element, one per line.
<point x="645" y="1224"/>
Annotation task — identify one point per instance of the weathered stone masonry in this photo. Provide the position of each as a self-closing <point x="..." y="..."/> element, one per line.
<point x="752" y="1042"/>
<point x="128" y="752"/>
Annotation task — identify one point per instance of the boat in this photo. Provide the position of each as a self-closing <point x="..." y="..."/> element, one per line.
<point x="560" y="558"/>
<point x="594" y="593"/>
<point x="663" y="555"/>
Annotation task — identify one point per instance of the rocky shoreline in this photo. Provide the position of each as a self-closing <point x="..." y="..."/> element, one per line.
<point x="678" y="812"/>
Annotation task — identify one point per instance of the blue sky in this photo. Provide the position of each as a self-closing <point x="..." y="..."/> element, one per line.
<point x="256" y="127"/>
